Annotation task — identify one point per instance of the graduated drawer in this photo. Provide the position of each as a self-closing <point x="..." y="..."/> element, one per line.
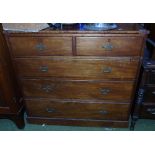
<point x="90" y="68"/>
<point x="109" y="46"/>
<point x="115" y="91"/>
<point x="149" y="94"/>
<point x="34" y="46"/>
<point x="77" y="110"/>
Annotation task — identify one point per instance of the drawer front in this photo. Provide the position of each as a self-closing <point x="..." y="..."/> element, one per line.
<point x="77" y="110"/>
<point x="34" y="46"/>
<point x="147" y="111"/>
<point x="149" y="95"/>
<point x="150" y="77"/>
<point x="109" y="46"/>
<point x="78" y="68"/>
<point x="116" y="91"/>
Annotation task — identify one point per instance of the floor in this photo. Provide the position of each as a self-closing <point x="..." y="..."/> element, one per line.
<point x="8" y="125"/>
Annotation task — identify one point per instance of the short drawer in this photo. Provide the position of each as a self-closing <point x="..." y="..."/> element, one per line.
<point x="34" y="46"/>
<point x="149" y="94"/>
<point x="115" y="91"/>
<point x="77" y="110"/>
<point x="147" y="111"/>
<point x="109" y="46"/>
<point x="89" y="68"/>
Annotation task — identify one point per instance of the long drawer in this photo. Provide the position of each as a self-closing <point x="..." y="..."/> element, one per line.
<point x="69" y="67"/>
<point x="109" y="46"/>
<point x="115" y="91"/>
<point x="35" y="46"/>
<point x="77" y="110"/>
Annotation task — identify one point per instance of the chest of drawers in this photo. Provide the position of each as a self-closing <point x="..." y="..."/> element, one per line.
<point x="85" y="78"/>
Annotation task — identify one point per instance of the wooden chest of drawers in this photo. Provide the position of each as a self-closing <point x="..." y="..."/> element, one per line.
<point x="85" y="78"/>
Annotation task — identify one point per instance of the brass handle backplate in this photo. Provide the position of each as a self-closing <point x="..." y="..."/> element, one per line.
<point x="105" y="91"/>
<point x="48" y="88"/>
<point x="44" y="68"/>
<point x="104" y="112"/>
<point x="107" y="70"/>
<point x="49" y="110"/>
<point x="108" y="47"/>
<point x="40" y="47"/>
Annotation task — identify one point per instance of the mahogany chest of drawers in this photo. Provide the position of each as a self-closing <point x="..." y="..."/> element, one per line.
<point x="73" y="77"/>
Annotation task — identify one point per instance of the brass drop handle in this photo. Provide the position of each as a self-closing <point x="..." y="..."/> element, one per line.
<point x="108" y="47"/>
<point x="105" y="91"/>
<point x="107" y="70"/>
<point x="44" y="68"/>
<point x="151" y="110"/>
<point x="48" y="88"/>
<point x="40" y="47"/>
<point x="49" y="110"/>
<point x="104" y="112"/>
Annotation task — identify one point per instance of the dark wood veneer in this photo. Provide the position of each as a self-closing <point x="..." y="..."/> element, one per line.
<point x="77" y="110"/>
<point x="109" y="46"/>
<point x="36" y="46"/>
<point x="78" y="65"/>
<point x="78" y="122"/>
<point x="114" y="91"/>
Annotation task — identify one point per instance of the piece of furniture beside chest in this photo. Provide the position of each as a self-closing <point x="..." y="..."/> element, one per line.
<point x="145" y="97"/>
<point x="11" y="102"/>
<point x="144" y="107"/>
<point x="83" y="78"/>
<point x="147" y="109"/>
<point x="145" y="101"/>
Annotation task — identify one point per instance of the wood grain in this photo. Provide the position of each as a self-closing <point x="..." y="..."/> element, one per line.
<point x="115" y="91"/>
<point x="121" y="46"/>
<point x="78" y="122"/>
<point x="90" y="68"/>
<point x="56" y="66"/>
<point x="35" y="46"/>
<point x="77" y="110"/>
